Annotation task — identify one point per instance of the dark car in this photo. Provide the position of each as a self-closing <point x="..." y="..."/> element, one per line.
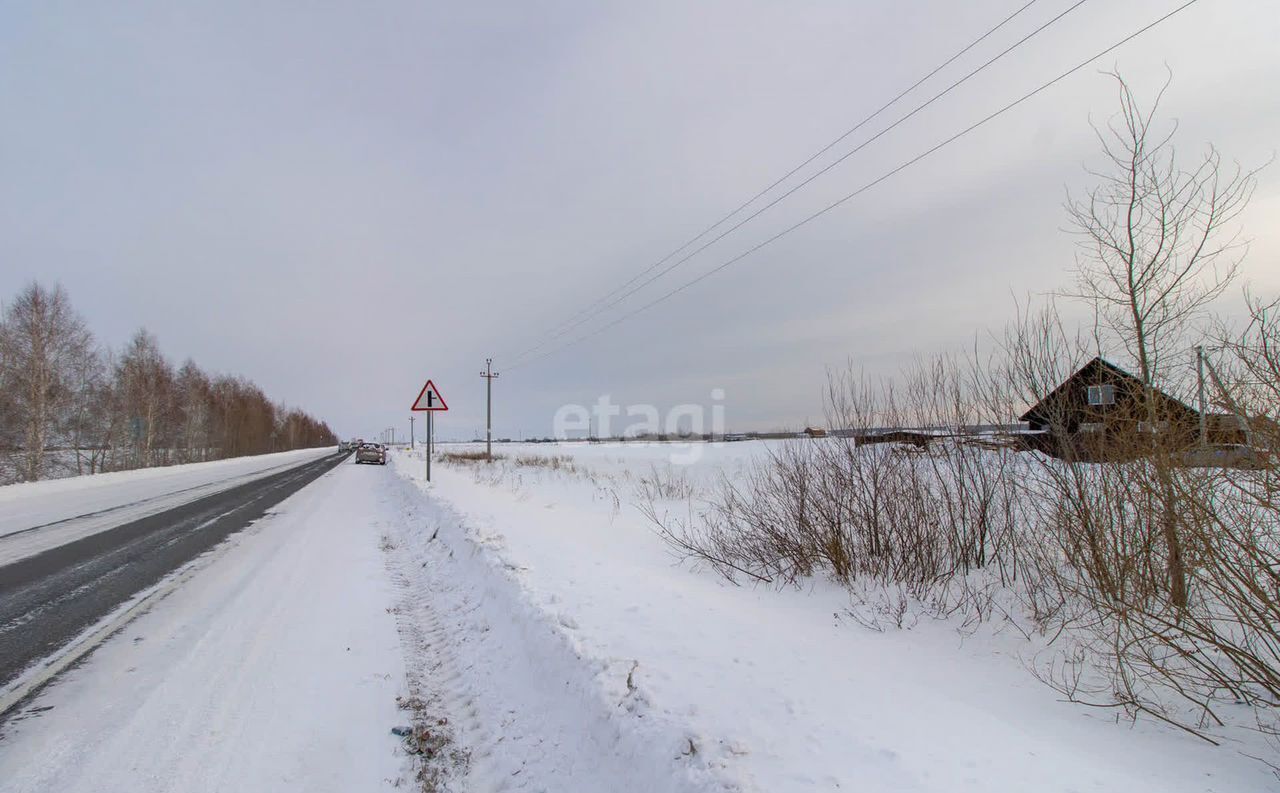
<point x="371" y="453"/>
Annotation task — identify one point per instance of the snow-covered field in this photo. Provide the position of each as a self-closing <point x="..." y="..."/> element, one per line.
<point x="574" y="606"/>
<point x="37" y="516"/>
<point x="545" y="640"/>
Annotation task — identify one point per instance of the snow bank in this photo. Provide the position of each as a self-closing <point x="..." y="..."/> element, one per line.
<point x="528" y="705"/>
<point x="552" y="585"/>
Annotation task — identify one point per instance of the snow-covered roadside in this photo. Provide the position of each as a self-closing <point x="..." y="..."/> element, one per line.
<point x="274" y="667"/>
<point x="519" y="703"/>
<point x="769" y="690"/>
<point x="36" y="516"/>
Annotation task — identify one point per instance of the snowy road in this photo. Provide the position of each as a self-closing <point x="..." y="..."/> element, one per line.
<point x="37" y="516"/>
<point x="275" y="667"/>
<point x="47" y="599"/>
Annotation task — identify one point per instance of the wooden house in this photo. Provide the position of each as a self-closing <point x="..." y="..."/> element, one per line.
<point x="1103" y="413"/>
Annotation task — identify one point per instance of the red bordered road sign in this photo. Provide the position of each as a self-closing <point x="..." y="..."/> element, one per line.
<point x="429" y="399"/>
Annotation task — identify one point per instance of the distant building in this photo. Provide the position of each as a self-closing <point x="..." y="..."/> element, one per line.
<point x="815" y="432"/>
<point x="911" y="437"/>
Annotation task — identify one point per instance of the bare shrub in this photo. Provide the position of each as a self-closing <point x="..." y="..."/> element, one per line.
<point x="555" y="462"/>
<point x="852" y="510"/>
<point x="1097" y="541"/>
<point x="971" y="482"/>
<point x="664" y="484"/>
<point x="1104" y="556"/>
<point x="467" y="458"/>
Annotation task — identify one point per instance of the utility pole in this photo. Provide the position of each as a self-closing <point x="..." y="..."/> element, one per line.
<point x="1204" y="407"/>
<point x="488" y="374"/>
<point x="1231" y="404"/>
<point x="411" y="418"/>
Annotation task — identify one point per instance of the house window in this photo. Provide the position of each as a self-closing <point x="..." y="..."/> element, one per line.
<point x="1092" y="426"/>
<point x="1102" y="395"/>
<point x="1159" y="426"/>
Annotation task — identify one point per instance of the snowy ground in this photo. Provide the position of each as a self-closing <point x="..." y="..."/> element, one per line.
<point x="703" y="685"/>
<point x="547" y="642"/>
<point x="276" y="667"/>
<point x="37" y="516"/>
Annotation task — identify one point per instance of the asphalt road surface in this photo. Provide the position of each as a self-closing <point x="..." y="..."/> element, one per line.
<point x="48" y="599"/>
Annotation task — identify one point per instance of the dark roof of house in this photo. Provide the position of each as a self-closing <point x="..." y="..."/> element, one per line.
<point x="1096" y="370"/>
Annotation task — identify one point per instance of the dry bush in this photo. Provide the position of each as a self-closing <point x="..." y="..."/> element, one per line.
<point x="1103" y="557"/>
<point x="466" y="458"/>
<point x="664" y="484"/>
<point x="973" y="483"/>
<point x="555" y="462"/>
<point x="1177" y="639"/>
<point x="855" y="512"/>
<point x="1085" y="545"/>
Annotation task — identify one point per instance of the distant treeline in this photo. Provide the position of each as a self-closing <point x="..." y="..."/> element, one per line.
<point x="69" y="405"/>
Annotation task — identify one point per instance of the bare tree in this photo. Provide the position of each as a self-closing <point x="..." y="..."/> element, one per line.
<point x="87" y="419"/>
<point x="121" y="410"/>
<point x="43" y="341"/>
<point x="193" y="401"/>
<point x="144" y="383"/>
<point x="1157" y="248"/>
<point x="1156" y="239"/>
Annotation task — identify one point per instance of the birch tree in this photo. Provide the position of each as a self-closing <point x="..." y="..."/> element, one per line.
<point x="144" y="385"/>
<point x="43" y="341"/>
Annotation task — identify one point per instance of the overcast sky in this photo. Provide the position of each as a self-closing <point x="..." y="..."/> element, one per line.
<point x="340" y="200"/>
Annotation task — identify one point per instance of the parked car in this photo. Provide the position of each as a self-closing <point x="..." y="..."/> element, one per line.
<point x="371" y="453"/>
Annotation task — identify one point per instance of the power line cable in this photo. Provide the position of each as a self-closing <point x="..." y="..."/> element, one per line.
<point x="792" y="172"/>
<point x="590" y="314"/>
<point x="901" y="167"/>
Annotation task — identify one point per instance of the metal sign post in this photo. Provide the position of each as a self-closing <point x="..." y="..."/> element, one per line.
<point x="429" y="401"/>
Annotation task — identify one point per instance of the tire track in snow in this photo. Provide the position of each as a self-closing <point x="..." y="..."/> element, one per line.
<point x="439" y="760"/>
<point x="525" y="710"/>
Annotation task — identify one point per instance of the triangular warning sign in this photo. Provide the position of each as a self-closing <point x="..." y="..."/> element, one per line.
<point x="429" y="399"/>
